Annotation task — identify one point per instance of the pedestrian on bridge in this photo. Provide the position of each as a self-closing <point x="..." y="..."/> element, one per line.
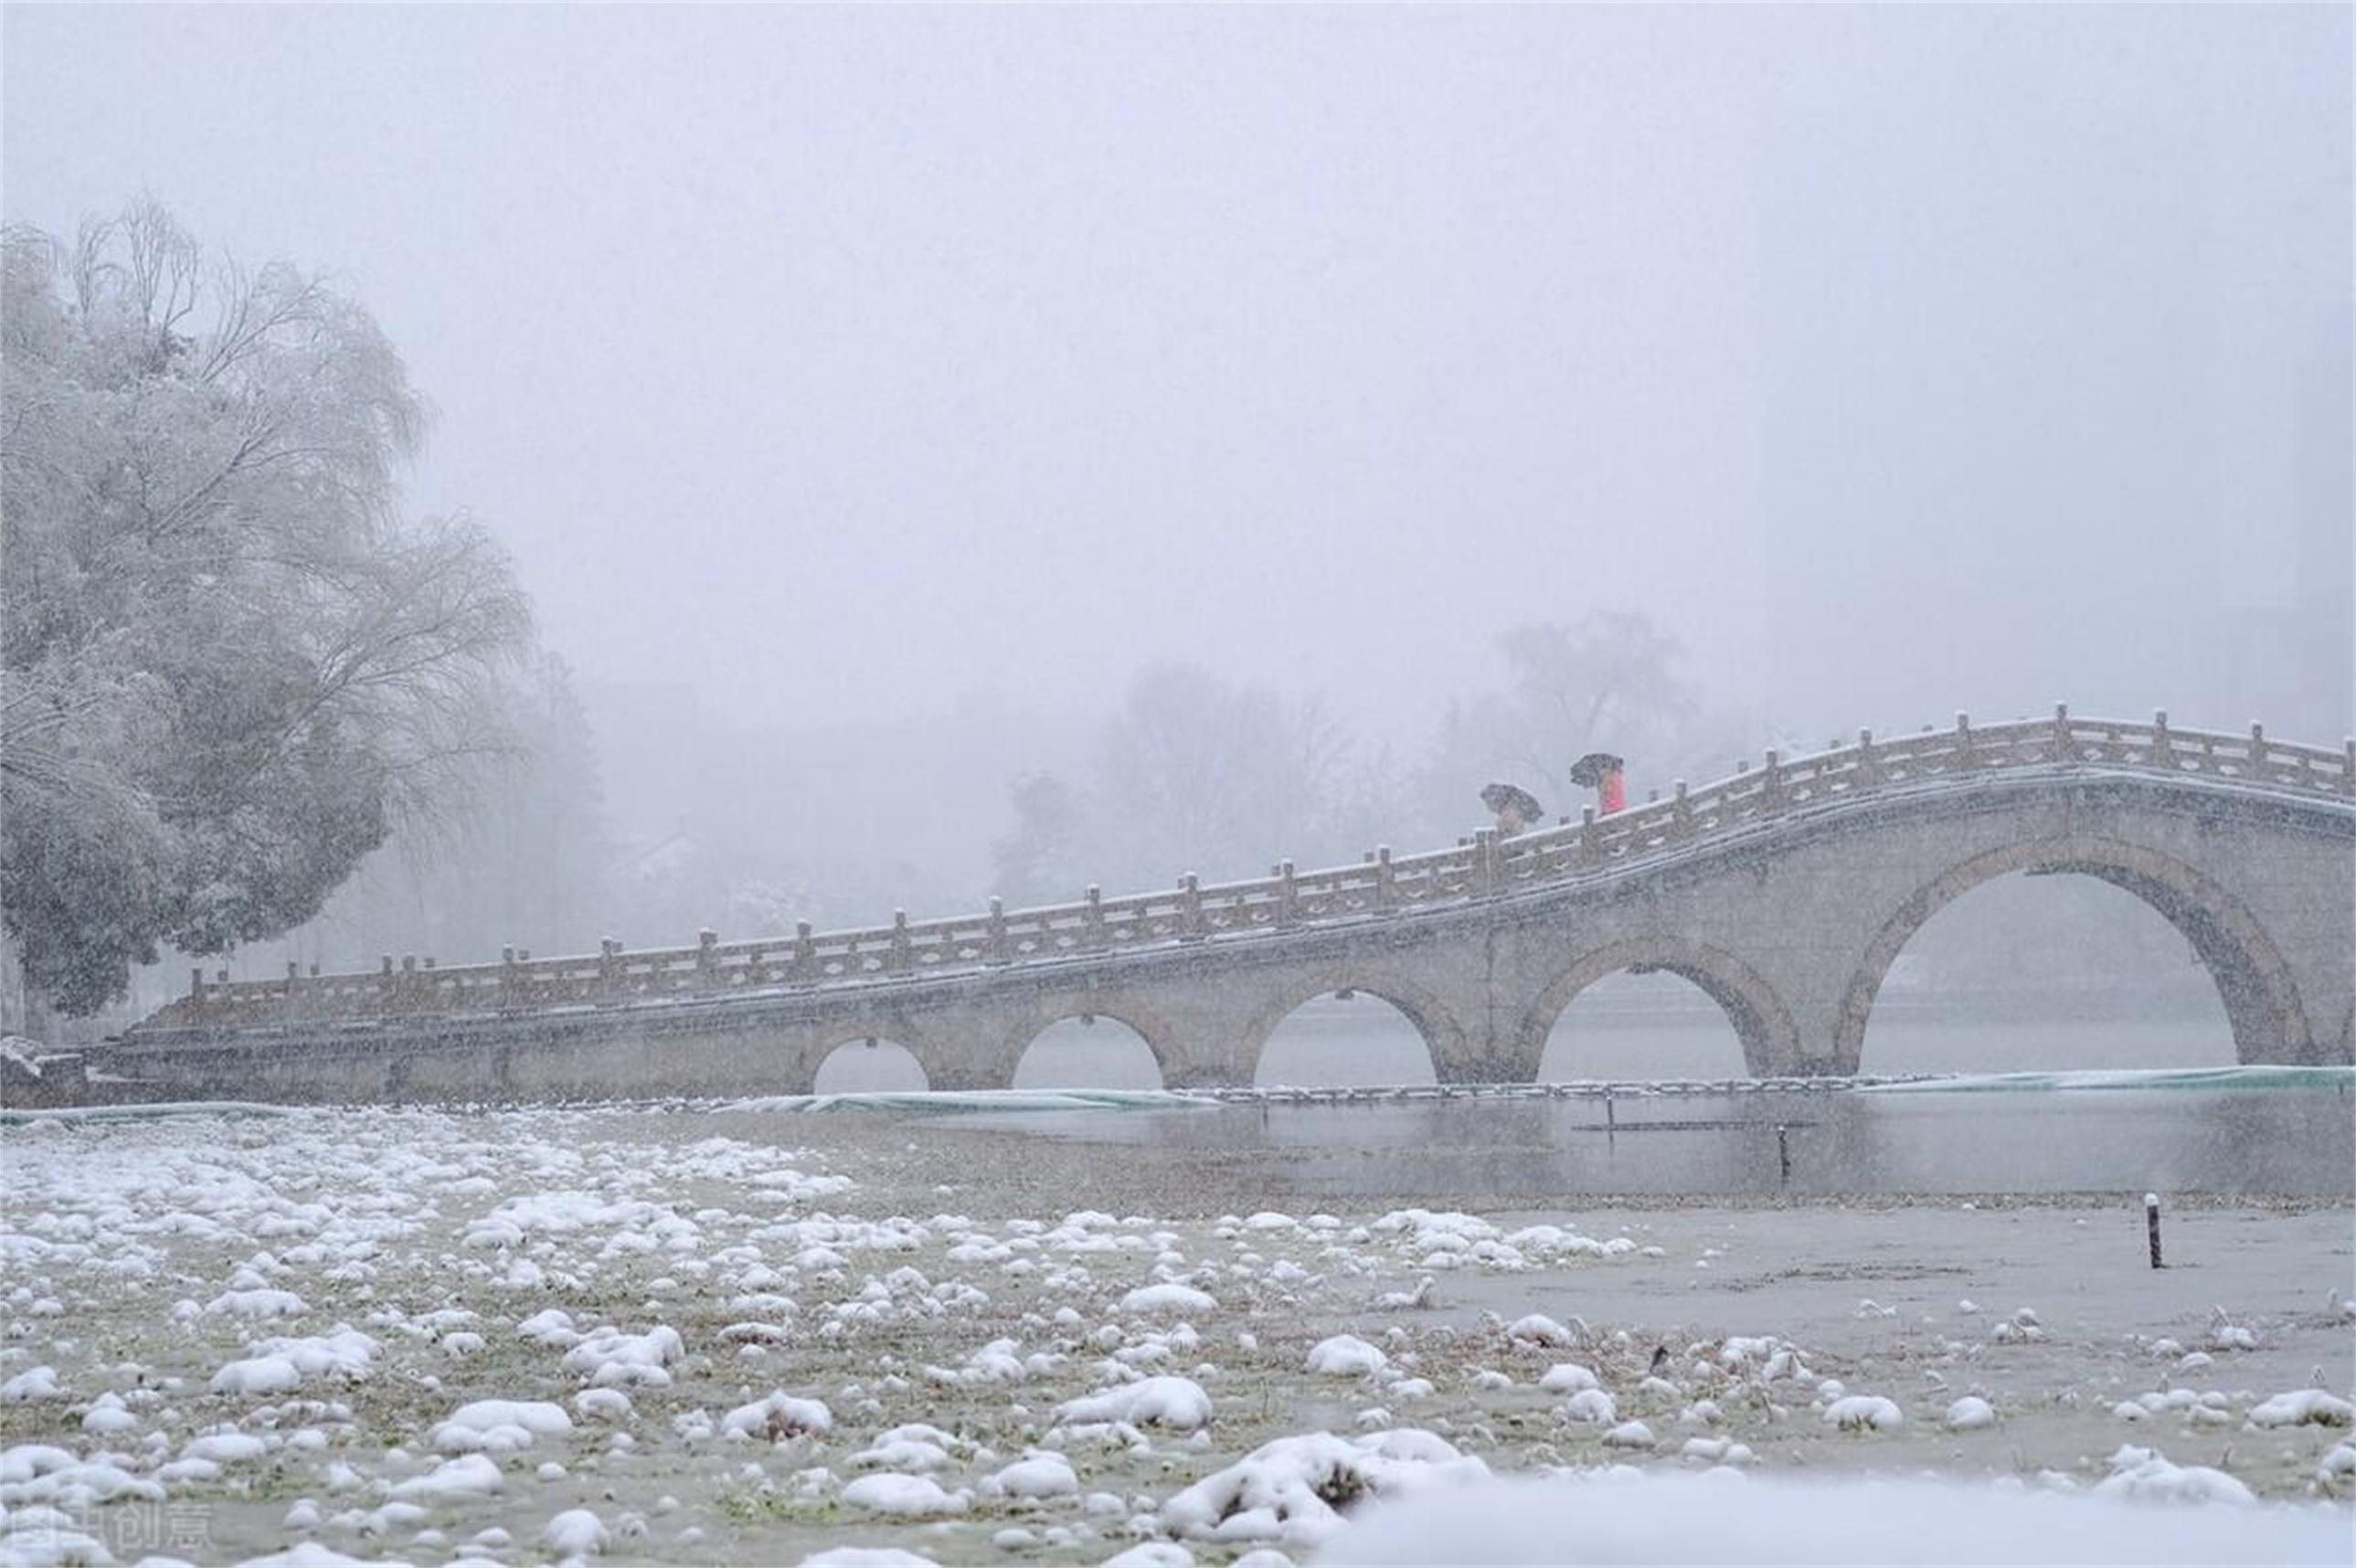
<point x="1516" y="808"/>
<point x="1602" y="772"/>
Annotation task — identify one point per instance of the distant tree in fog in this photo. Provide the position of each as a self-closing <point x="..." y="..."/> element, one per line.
<point x="231" y="669"/>
<point x="1041" y="860"/>
<point x="1192" y="774"/>
<point x="1195" y="773"/>
<point x="1609" y="681"/>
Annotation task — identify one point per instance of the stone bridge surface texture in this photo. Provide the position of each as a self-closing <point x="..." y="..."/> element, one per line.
<point x="1784" y="894"/>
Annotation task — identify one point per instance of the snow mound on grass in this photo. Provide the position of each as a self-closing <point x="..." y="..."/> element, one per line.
<point x="470" y="1475"/>
<point x="602" y="1404"/>
<point x="260" y="1375"/>
<point x="553" y="1327"/>
<point x="500" y="1426"/>
<point x="1628" y="1516"/>
<point x="1345" y="1356"/>
<point x="343" y="1351"/>
<point x="1295" y="1488"/>
<point x="1589" y="1406"/>
<point x="1041" y="1475"/>
<point x="866" y="1557"/>
<point x="226" y="1448"/>
<point x="574" y="1534"/>
<point x="907" y="1497"/>
<point x="1863" y="1413"/>
<point x="2303" y="1407"/>
<point x="612" y="1358"/>
<point x="1541" y="1330"/>
<point x="1970" y="1413"/>
<point x="2145" y="1474"/>
<point x="303" y="1555"/>
<point x="778" y="1417"/>
<point x="1178" y="1403"/>
<point x="1151" y="1554"/>
<point x="1567" y="1376"/>
<point x="1167" y="1298"/>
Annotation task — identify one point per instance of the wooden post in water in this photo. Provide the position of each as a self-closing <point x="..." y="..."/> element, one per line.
<point x="2151" y="1225"/>
<point x="1784" y="1153"/>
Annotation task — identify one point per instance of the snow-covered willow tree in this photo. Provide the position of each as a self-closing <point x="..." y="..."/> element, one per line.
<point x="231" y="668"/>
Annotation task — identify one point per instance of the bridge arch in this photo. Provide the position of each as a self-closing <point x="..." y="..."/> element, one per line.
<point x="1770" y="1041"/>
<point x="1444" y="1039"/>
<point x="895" y="1052"/>
<point x="1154" y="1034"/>
<point x="2253" y="980"/>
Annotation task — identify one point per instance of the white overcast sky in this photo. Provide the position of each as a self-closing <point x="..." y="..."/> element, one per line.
<point x="856" y="361"/>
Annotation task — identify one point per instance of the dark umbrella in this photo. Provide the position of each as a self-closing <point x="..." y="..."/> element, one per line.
<point x="1504" y="798"/>
<point x="1589" y="770"/>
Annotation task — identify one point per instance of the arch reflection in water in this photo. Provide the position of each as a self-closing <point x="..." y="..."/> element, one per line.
<point x="1091" y="1052"/>
<point x="870" y="1067"/>
<point x="1344" y="1040"/>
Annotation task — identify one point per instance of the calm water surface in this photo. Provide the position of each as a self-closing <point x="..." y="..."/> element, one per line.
<point x="2297" y="1141"/>
<point x="2260" y="1138"/>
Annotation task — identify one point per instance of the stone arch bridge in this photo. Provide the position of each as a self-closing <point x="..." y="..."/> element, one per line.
<point x="1783" y="892"/>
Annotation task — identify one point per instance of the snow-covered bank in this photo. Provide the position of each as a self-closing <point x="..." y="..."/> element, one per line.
<point x="509" y="1335"/>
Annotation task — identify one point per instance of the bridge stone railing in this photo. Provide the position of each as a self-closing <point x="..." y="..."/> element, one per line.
<point x="1481" y="866"/>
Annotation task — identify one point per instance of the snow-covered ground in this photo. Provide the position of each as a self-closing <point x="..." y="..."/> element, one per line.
<point x="689" y="1336"/>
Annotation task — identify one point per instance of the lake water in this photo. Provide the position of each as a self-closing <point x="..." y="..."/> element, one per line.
<point x="2283" y="1138"/>
<point x="2243" y="1133"/>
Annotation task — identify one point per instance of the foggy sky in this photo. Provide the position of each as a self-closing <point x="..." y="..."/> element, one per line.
<point x="854" y="362"/>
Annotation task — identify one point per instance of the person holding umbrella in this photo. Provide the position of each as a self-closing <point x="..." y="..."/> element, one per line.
<point x="1600" y="771"/>
<point x="1516" y="807"/>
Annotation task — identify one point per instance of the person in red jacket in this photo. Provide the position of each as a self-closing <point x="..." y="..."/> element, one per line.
<point x="1603" y="773"/>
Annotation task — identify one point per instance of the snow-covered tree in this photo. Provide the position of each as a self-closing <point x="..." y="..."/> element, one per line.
<point x="231" y="668"/>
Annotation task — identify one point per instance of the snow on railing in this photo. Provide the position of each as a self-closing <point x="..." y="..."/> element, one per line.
<point x="1484" y="865"/>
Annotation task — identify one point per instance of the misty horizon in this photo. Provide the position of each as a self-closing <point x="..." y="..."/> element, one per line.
<point x="838" y="368"/>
